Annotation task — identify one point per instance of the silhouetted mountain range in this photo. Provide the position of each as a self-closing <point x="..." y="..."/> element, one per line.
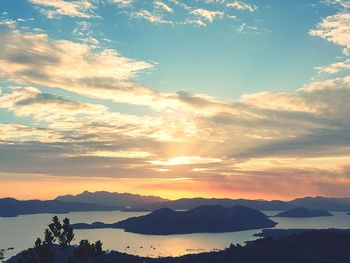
<point x="314" y="203"/>
<point x="146" y="203"/>
<point x="10" y="207"/>
<point x="323" y="203"/>
<point x="204" y="219"/>
<point x="112" y="199"/>
<point x="303" y="212"/>
<point x="102" y="201"/>
<point x="190" y="203"/>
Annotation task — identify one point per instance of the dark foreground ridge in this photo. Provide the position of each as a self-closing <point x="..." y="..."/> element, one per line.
<point x="204" y="219"/>
<point x="308" y="246"/>
<point x="303" y="212"/>
<point x="278" y="233"/>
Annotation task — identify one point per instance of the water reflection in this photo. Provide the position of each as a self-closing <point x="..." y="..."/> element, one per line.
<point x="21" y="232"/>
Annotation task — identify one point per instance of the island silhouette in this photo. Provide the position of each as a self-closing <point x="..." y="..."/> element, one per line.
<point x="303" y="212"/>
<point x="203" y="219"/>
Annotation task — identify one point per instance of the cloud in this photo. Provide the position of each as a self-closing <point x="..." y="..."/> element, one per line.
<point x="57" y="8"/>
<point x="207" y="14"/>
<point x="242" y="6"/>
<point x="80" y="121"/>
<point x="335" y="29"/>
<point x="163" y="6"/>
<point x="225" y="150"/>
<point x="174" y="12"/>
<point x="317" y="98"/>
<point x="150" y="17"/>
<point x="341" y="3"/>
<point x="258" y="120"/>
<point x="21" y="133"/>
<point x="245" y="28"/>
<point x="34" y="59"/>
<point x="185" y="160"/>
<point x="123" y="2"/>
<point x="289" y="138"/>
<point x="335" y="67"/>
<point x="115" y="154"/>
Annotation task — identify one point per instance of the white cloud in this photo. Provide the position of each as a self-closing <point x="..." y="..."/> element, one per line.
<point x="163" y="6"/>
<point x="341" y="3"/>
<point x="335" y="29"/>
<point x="123" y="2"/>
<point x="174" y="12"/>
<point x="242" y="6"/>
<point x="34" y="59"/>
<point x="335" y="67"/>
<point x="245" y="28"/>
<point x="56" y="8"/>
<point x="150" y="17"/>
<point x="207" y="14"/>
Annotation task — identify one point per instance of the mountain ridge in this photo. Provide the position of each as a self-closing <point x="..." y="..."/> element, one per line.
<point x="11" y="207"/>
<point x="111" y="198"/>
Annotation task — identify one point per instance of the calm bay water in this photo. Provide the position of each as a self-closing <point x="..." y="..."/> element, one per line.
<point x="20" y="232"/>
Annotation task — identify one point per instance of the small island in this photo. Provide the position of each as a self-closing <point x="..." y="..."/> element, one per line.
<point x="203" y="219"/>
<point x="303" y="212"/>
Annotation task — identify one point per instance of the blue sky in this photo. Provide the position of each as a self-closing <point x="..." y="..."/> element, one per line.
<point x="201" y="91"/>
<point x="278" y="54"/>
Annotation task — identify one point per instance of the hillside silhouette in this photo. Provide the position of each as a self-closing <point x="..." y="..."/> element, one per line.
<point x="209" y="219"/>
<point x="303" y="212"/>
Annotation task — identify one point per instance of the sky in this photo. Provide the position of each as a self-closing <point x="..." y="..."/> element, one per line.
<point x="176" y="98"/>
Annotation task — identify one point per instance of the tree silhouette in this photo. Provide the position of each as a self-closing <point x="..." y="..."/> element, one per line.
<point x="61" y="234"/>
<point x="49" y="238"/>
<point x="2" y="252"/>
<point x="55" y="227"/>
<point x="67" y="235"/>
<point x="88" y="252"/>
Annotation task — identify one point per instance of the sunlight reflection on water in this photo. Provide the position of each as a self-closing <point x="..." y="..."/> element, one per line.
<point x="21" y="232"/>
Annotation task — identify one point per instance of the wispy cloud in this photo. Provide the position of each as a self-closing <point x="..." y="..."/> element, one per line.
<point x="123" y="2"/>
<point x="163" y="6"/>
<point x="242" y="6"/>
<point x="341" y="3"/>
<point x="335" y="67"/>
<point x="150" y="17"/>
<point x="205" y="143"/>
<point x="208" y="15"/>
<point x="335" y="29"/>
<point x="174" y="12"/>
<point x="57" y="8"/>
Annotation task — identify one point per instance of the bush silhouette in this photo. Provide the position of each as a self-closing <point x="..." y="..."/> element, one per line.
<point x="88" y="252"/>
